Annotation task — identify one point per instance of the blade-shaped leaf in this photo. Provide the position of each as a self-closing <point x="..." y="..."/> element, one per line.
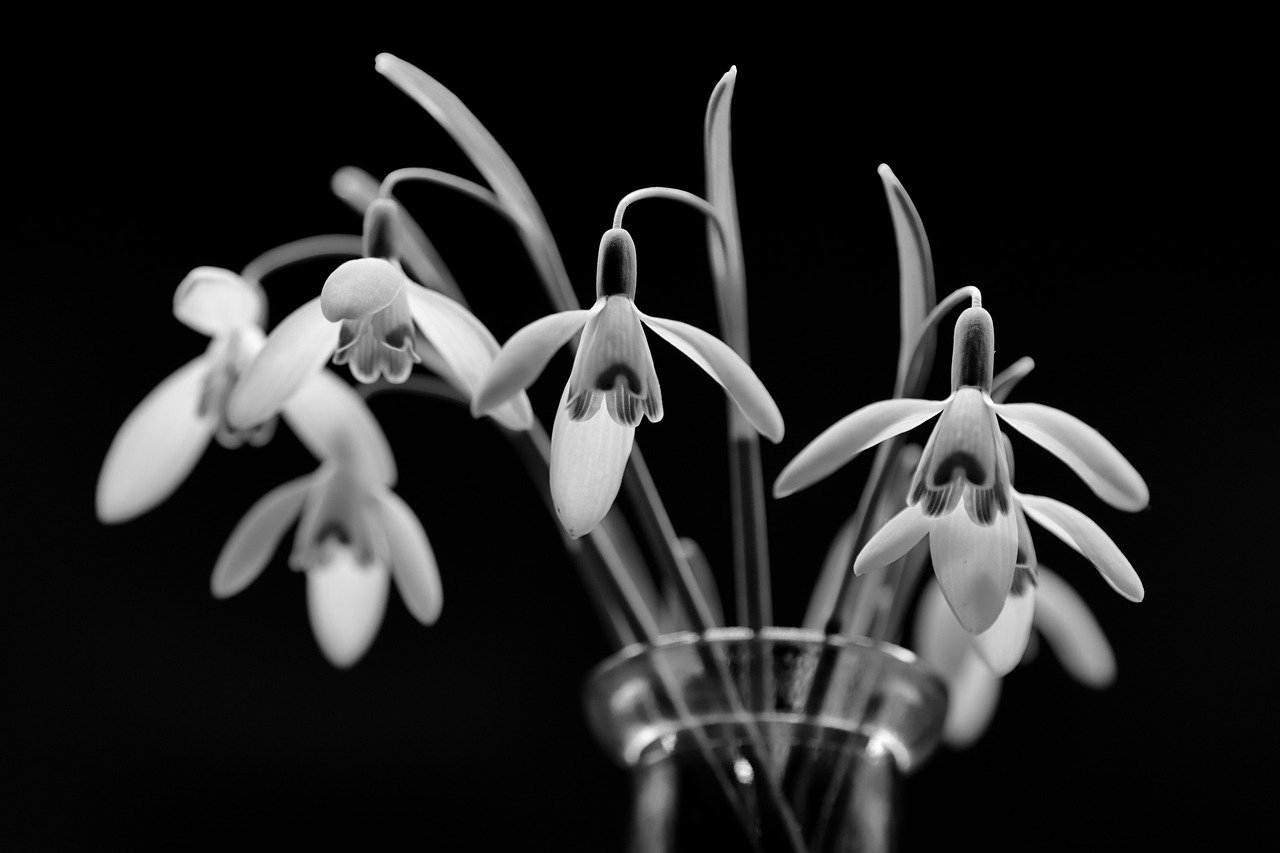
<point x="493" y="163"/>
<point x="915" y="285"/>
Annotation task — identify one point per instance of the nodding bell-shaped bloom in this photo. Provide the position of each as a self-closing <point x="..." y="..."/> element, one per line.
<point x="1002" y="645"/>
<point x="163" y="438"/>
<point x="612" y="385"/>
<point x="1060" y="616"/>
<point x="961" y="495"/>
<point x="353" y="536"/>
<point x="366" y="317"/>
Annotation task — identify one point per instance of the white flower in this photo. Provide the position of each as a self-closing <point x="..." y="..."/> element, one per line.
<point x="612" y="384"/>
<point x="964" y="462"/>
<point x="1002" y="645"/>
<point x="354" y="534"/>
<point x="163" y="438"/>
<point x="365" y="317"/>
<point x="1060" y="616"/>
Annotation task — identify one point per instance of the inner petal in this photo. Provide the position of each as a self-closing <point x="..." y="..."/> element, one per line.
<point x="614" y="364"/>
<point x="962" y="457"/>
<point x="380" y="344"/>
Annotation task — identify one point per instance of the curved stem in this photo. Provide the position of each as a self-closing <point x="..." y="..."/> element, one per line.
<point x="302" y="250"/>
<point x="973" y="294"/>
<point x="444" y="179"/>
<point x="694" y="201"/>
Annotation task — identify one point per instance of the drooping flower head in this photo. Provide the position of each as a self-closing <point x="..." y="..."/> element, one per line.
<point x="353" y="535"/>
<point x="612" y="385"/>
<point x="163" y="438"/>
<point x="1061" y="618"/>
<point x="974" y="548"/>
<point x="366" y="317"/>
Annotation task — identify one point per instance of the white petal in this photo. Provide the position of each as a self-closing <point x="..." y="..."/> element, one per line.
<point x="972" y="689"/>
<point x="360" y="287"/>
<point x="1083" y="448"/>
<point x="294" y="351"/>
<point x="1072" y="632"/>
<point x="851" y="435"/>
<point x="1003" y="644"/>
<point x="524" y="356"/>
<point x="1080" y="532"/>
<point x="464" y="343"/>
<point x="332" y="420"/>
<point x="412" y="562"/>
<point x="257" y="535"/>
<point x="587" y="462"/>
<point x="726" y="367"/>
<point x="971" y="703"/>
<point x="217" y="301"/>
<point x="346" y="602"/>
<point x="156" y="447"/>
<point x="974" y="565"/>
<point x="898" y="536"/>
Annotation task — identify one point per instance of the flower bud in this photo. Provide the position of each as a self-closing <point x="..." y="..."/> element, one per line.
<point x="973" y="351"/>
<point x="379" y="229"/>
<point x="616" y="267"/>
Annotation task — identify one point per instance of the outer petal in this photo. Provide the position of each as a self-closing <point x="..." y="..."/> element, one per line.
<point x="156" y="447"/>
<point x="217" y="301"/>
<point x="360" y="287"/>
<point x="463" y="342"/>
<point x="726" y="367"/>
<point x="524" y="356"/>
<point x="1080" y="532"/>
<point x="1003" y="644"/>
<point x="851" y="435"/>
<point x="346" y="602"/>
<point x="412" y="562"/>
<point x="295" y="350"/>
<point x="331" y="418"/>
<point x="1083" y="448"/>
<point x="257" y="535"/>
<point x="1072" y="632"/>
<point x="973" y="690"/>
<point x="588" y="458"/>
<point x="898" y="536"/>
<point x="974" y="565"/>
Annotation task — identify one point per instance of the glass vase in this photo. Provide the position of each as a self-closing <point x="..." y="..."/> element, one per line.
<point x="731" y="747"/>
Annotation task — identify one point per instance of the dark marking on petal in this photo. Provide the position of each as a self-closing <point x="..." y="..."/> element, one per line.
<point x="610" y="376"/>
<point x="959" y="463"/>
<point x="584" y="406"/>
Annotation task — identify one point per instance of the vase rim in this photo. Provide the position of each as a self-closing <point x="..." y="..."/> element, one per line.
<point x="799" y="636"/>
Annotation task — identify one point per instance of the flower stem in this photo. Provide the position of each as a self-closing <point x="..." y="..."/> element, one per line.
<point x="358" y="189"/>
<point x="297" y="251"/>
<point x="444" y="179"/>
<point x="752" y="581"/>
<point x="683" y="196"/>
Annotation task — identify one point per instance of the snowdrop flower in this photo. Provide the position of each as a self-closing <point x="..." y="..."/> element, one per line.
<point x="163" y="438"/>
<point x="1061" y="617"/>
<point x="612" y="385"/>
<point x="1002" y="645"/>
<point x="974" y="551"/>
<point x="365" y="317"/>
<point x="354" y="534"/>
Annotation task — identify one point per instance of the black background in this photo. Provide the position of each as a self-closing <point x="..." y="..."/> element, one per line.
<point x="1114" y="200"/>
